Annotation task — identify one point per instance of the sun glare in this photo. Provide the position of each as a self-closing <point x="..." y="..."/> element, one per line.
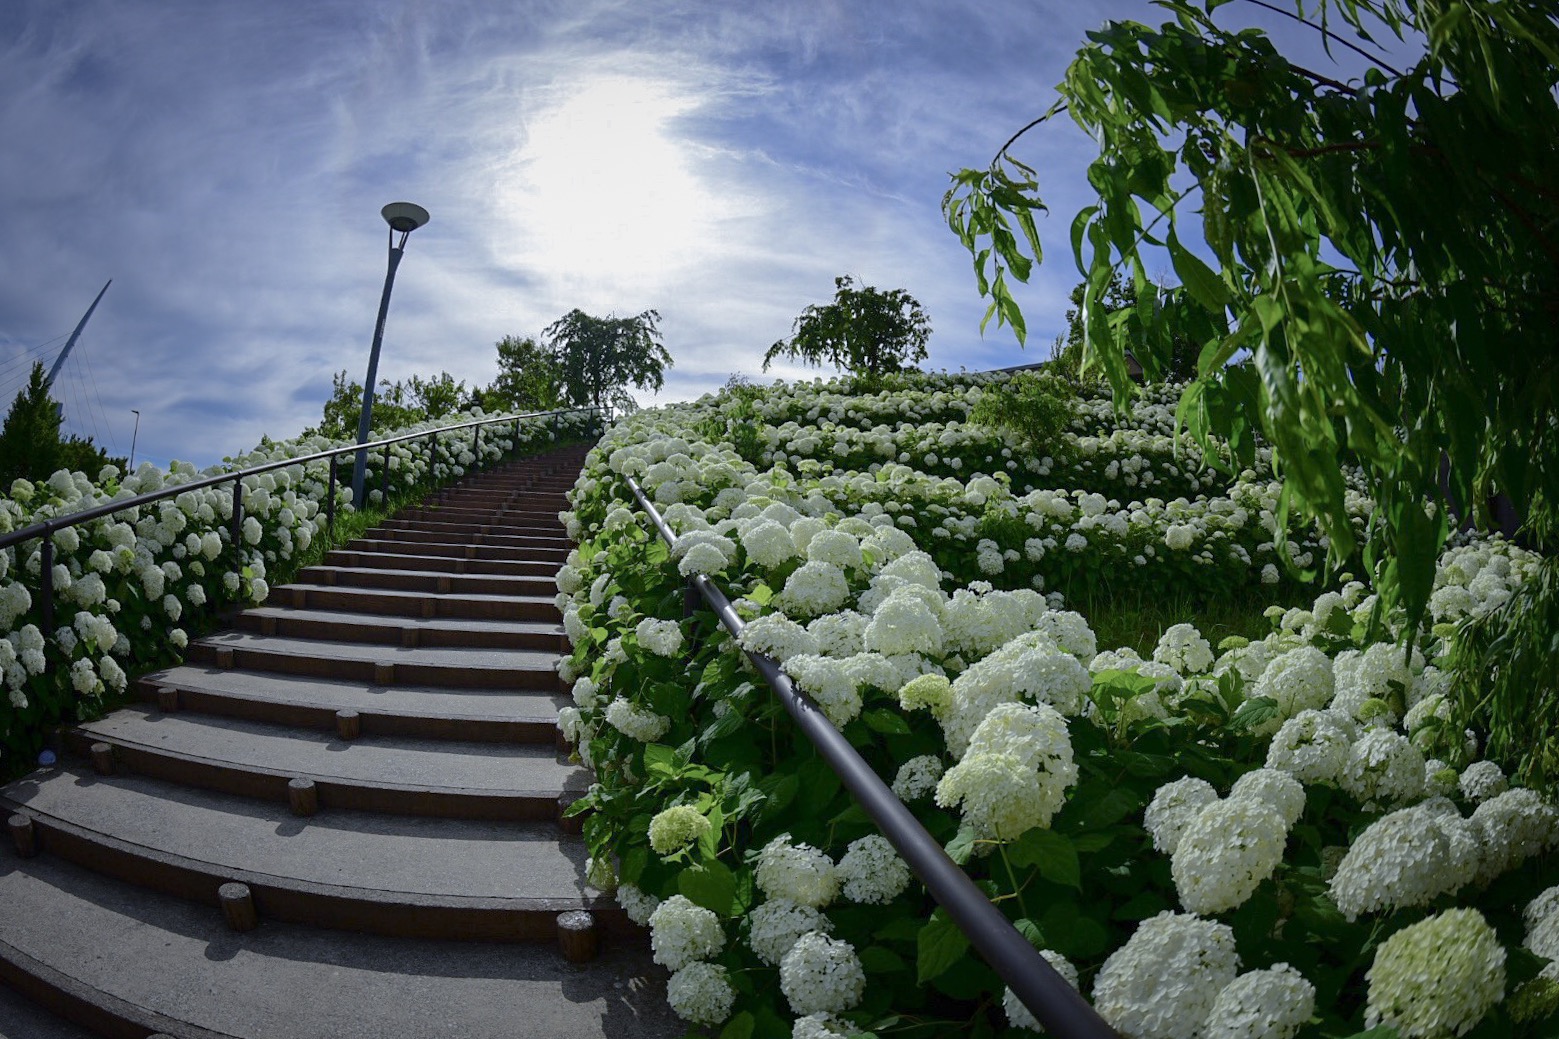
<point x="601" y="189"/>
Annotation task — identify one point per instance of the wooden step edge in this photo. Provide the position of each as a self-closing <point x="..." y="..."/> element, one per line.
<point x="264" y="784"/>
<point x="401" y="914"/>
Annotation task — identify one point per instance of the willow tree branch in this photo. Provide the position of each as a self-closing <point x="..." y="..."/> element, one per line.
<point x="1324" y="31"/>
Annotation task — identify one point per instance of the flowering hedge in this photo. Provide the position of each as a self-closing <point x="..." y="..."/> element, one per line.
<point x="1260" y="838"/>
<point x="127" y="586"/>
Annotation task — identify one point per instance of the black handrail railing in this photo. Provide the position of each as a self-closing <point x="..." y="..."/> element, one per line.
<point x="1057" y="1006"/>
<point x="45" y="529"/>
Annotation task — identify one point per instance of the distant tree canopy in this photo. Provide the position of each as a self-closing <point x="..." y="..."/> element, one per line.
<point x="528" y="378"/>
<point x="864" y="331"/>
<point x="1121" y="304"/>
<point x="599" y="358"/>
<point x="395" y="403"/>
<point x="31" y="447"/>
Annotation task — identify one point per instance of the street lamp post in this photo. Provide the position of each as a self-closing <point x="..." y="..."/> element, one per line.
<point x="133" y="437"/>
<point x="403" y="218"/>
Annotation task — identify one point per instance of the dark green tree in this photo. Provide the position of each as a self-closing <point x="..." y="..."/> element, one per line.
<point x="864" y="331"/>
<point x="599" y="358"/>
<point x="528" y="377"/>
<point x="1122" y="306"/>
<point x="392" y="408"/>
<point x="31" y="447"/>
<point x="436" y="397"/>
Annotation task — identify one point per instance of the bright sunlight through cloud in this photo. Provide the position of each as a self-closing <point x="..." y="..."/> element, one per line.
<point x="602" y="190"/>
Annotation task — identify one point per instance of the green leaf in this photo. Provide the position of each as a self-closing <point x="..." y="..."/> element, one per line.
<point x="1199" y="280"/>
<point x="739" y="1027"/>
<point x="879" y="960"/>
<point x="1030" y="930"/>
<point x="660" y="760"/>
<point x="711" y="885"/>
<point x="1054" y="854"/>
<point x="961" y="847"/>
<point x="939" y="945"/>
<point x="881" y="719"/>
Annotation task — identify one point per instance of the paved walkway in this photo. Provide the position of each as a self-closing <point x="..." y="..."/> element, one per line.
<point x="367" y="767"/>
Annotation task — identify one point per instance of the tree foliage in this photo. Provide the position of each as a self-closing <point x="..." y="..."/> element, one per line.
<point x="599" y="358"/>
<point x="1120" y="295"/>
<point x="31" y="447"/>
<point x="1385" y="247"/>
<point x="864" y="331"/>
<point x="396" y="403"/>
<point x="528" y="377"/>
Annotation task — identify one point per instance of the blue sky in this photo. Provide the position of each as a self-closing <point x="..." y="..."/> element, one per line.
<point x="225" y="165"/>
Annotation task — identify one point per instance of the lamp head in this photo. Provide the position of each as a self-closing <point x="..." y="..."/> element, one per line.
<point x="404" y="216"/>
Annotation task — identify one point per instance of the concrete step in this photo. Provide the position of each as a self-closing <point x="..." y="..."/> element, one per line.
<point x="22" y="1018"/>
<point x="491" y="532"/>
<point x="403" y="631"/>
<point x="383" y="665"/>
<point x="420" y="712"/>
<point x="388" y="543"/>
<point x="444" y="564"/>
<point x="426" y="581"/>
<point x="134" y="962"/>
<point x="398" y="603"/>
<point x="339" y="869"/>
<point x="371" y="773"/>
<point x="497" y="514"/>
<point x="411" y="534"/>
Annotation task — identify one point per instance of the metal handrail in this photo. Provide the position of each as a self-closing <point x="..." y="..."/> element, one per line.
<point x="46" y="528"/>
<point x="1056" y="1005"/>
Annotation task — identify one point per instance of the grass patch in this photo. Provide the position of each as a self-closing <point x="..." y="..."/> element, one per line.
<point x="1139" y="621"/>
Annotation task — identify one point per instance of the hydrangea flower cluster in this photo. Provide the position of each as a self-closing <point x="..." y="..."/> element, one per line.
<point x="1437" y="977"/>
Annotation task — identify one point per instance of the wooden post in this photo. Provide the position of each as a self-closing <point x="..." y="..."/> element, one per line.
<point x="409" y="637"/>
<point x="167" y="698"/>
<point x="302" y="797"/>
<point x="23" y="834"/>
<point x="348" y="725"/>
<point x="238" y="906"/>
<point x="577" y="936"/>
<point x="224" y="656"/>
<point x="384" y="673"/>
<point x="103" y="759"/>
<point x="573" y="824"/>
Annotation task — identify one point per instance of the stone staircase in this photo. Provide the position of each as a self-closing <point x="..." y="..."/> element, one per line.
<point x="340" y="819"/>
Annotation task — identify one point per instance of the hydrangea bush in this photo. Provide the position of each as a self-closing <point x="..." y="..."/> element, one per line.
<point x="1274" y="838"/>
<point x="129" y="587"/>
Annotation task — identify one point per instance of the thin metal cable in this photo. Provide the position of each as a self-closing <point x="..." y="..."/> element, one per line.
<point x="102" y="413"/>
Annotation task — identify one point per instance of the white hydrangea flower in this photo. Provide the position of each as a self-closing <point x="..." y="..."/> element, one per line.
<point x="904" y="623"/>
<point x="1225" y="853"/>
<point x="1512" y="827"/>
<point x="768" y="543"/>
<point x="1312" y="747"/>
<point x="830" y="682"/>
<point x="700" y="993"/>
<point x="1278" y="789"/>
<point x="1299" y="680"/>
<point x="1183" y="648"/>
<point x="636" y="903"/>
<point x="645" y="726"/>
<point x="871" y="872"/>
<point x="777" y="636"/>
<point x="821" y="975"/>
<point x="1163" y="982"/>
<point x="798" y="872"/>
<point x="775" y="926"/>
<point x="1541" y="917"/>
<point x="1482" y="780"/>
<point x="1172" y="809"/>
<point x="1262" y="1004"/>
<point x="917" y="777"/>
<point x="682" y="932"/>
<point x="1407" y="858"/>
<point x="813" y="589"/>
<point x="1385" y="767"/>
<point x="1018" y="1015"/>
<point x="1437" y="977"/>
<point x="663" y="638"/>
<point x="834" y="546"/>
<point x="839" y="634"/>
<point x="1015" y="773"/>
<point x="821" y="1026"/>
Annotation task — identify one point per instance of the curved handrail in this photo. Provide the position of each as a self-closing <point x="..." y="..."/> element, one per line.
<point x="49" y="526"/>
<point x="44" y="531"/>
<point x="1057" y="1006"/>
